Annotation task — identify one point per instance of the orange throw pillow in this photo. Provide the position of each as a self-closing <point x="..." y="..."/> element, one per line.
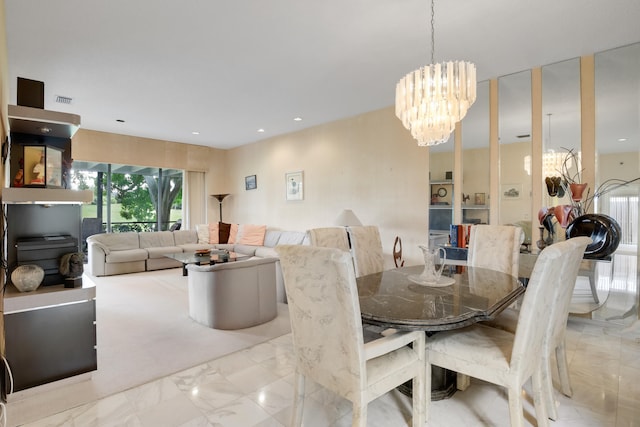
<point x="213" y="233"/>
<point x="233" y="232"/>
<point x="252" y="234"/>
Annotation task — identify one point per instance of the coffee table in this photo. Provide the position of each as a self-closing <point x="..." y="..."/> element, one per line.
<point x="216" y="256"/>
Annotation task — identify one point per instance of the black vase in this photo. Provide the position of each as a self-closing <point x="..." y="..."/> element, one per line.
<point x="603" y="230"/>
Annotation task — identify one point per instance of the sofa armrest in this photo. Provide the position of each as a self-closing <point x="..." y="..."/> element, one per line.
<point x="104" y="248"/>
<point x="97" y="258"/>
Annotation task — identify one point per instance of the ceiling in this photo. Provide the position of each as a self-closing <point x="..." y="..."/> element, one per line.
<point x="228" y="68"/>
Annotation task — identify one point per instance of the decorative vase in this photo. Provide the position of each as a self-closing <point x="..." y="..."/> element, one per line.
<point x="577" y="191"/>
<point x="553" y="185"/>
<point x="27" y="278"/>
<point x="563" y="214"/>
<point x="603" y="230"/>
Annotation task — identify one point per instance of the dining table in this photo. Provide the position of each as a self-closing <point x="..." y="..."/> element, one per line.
<point x="397" y="299"/>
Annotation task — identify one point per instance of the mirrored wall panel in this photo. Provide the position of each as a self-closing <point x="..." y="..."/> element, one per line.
<point x="514" y="115"/>
<point x="475" y="159"/>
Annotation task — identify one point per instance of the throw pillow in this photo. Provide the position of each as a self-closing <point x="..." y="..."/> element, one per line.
<point x="252" y="234"/>
<point x="233" y="233"/>
<point x="202" y="230"/>
<point x="224" y="230"/>
<point x="213" y="233"/>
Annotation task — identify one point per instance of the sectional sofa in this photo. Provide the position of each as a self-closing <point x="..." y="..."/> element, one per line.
<point x="132" y="252"/>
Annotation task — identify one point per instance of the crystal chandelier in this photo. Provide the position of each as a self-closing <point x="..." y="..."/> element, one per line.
<point x="432" y="99"/>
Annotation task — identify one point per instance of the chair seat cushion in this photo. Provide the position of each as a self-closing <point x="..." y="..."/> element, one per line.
<point x="489" y="360"/>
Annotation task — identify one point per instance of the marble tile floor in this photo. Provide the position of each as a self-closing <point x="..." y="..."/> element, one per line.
<point x="254" y="387"/>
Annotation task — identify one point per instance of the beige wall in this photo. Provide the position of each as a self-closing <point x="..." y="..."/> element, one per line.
<point x="368" y="163"/>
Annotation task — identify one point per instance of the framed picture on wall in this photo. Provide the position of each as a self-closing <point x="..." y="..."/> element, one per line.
<point x="511" y="191"/>
<point x="479" y="199"/>
<point x="250" y="182"/>
<point x="294" y="185"/>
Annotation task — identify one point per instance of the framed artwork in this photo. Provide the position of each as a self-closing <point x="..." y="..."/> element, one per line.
<point x="511" y="191"/>
<point x="250" y="182"/>
<point x="479" y="199"/>
<point x="294" y="185"/>
<point x="54" y="167"/>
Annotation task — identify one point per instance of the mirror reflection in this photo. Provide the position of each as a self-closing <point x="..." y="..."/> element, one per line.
<point x="514" y="115"/>
<point x="475" y="158"/>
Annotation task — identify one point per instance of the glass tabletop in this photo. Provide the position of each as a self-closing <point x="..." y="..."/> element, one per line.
<point x="211" y="258"/>
<point x="391" y="299"/>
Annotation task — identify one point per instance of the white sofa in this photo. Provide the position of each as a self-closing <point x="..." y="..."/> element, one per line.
<point x="131" y="252"/>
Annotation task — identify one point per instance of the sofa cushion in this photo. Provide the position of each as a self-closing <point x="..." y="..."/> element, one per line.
<point x="245" y="249"/>
<point x="118" y="241"/>
<point x="266" y="252"/>
<point x="271" y="238"/>
<point x="183" y="237"/>
<point x="250" y="234"/>
<point x="127" y="255"/>
<point x="162" y="251"/>
<point x="156" y="239"/>
<point x="291" y="238"/>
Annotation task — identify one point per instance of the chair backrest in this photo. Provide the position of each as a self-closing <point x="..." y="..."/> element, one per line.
<point x="329" y="237"/>
<point x="496" y="247"/>
<point x="325" y="316"/>
<point x="537" y="306"/>
<point x="564" y="289"/>
<point x="366" y="248"/>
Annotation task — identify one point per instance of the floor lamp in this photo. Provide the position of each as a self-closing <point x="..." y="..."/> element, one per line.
<point x="220" y="198"/>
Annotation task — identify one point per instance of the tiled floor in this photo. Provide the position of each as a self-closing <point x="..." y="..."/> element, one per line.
<point x="254" y="387"/>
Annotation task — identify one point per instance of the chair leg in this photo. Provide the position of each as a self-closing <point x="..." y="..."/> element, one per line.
<point x="515" y="407"/>
<point x="462" y="381"/>
<point x="298" y="401"/>
<point x="563" y="369"/>
<point x="537" y="385"/>
<point x="359" y="418"/>
<point x="427" y="386"/>
<point x="419" y="397"/>
<point x="548" y="392"/>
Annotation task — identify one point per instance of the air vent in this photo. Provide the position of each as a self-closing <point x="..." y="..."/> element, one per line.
<point x="63" y="99"/>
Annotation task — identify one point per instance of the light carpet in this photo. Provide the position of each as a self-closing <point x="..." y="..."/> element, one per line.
<point x="143" y="333"/>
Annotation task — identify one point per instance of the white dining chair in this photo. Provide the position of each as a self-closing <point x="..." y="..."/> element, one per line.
<point x="329" y="237"/>
<point x="504" y="358"/>
<point x="496" y="247"/>
<point x="557" y="324"/>
<point x="366" y="248"/>
<point x="328" y="339"/>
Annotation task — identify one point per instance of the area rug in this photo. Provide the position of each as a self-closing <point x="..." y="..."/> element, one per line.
<point x="143" y="333"/>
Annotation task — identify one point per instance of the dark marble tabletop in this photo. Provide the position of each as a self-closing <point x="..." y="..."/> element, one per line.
<point x="390" y="299"/>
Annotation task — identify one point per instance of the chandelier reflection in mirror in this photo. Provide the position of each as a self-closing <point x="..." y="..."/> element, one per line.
<point x="432" y="99"/>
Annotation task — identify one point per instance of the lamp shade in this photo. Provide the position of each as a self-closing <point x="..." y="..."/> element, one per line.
<point x="347" y="218"/>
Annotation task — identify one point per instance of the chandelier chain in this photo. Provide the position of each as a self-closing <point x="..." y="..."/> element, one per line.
<point x="433" y="32"/>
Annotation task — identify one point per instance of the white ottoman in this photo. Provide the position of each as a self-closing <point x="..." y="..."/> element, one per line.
<point x="233" y="295"/>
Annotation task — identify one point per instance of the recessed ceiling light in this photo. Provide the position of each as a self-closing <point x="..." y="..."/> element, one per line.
<point x="195" y="132"/>
<point x="297" y="119"/>
<point x="119" y="120"/>
<point x="622" y="139"/>
<point x="260" y="130"/>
